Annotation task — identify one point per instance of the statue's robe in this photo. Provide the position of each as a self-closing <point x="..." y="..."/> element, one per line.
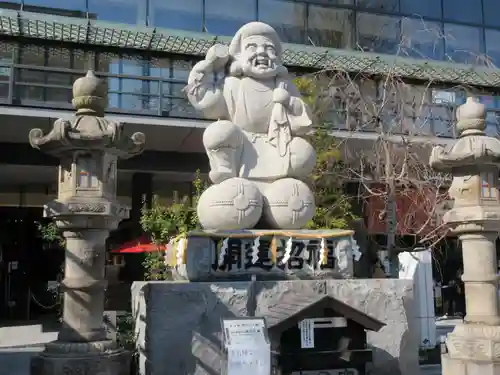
<point x="268" y="127"/>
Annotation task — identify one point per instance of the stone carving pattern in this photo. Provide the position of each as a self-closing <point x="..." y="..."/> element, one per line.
<point x="473" y="349"/>
<point x="90" y="208"/>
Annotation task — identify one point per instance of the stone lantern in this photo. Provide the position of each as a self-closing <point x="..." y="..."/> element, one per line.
<point x="86" y="210"/>
<point x="474" y="160"/>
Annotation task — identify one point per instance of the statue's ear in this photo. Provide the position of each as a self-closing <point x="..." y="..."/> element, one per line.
<point x="282" y="71"/>
<point x="235" y="68"/>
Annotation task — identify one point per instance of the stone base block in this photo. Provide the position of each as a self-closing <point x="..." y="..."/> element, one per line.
<point x="178" y="324"/>
<point x="116" y="362"/>
<point x="451" y="366"/>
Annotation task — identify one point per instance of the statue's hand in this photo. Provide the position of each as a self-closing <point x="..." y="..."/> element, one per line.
<point x="217" y="56"/>
<point x="280" y="95"/>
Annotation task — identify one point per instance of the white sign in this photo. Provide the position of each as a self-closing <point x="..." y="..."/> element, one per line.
<point x="306" y="327"/>
<point x="418" y="267"/>
<point x="248" y="361"/>
<point x="247" y="332"/>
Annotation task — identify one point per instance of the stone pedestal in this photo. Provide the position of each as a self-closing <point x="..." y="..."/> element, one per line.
<point x="179" y="331"/>
<point x="100" y="358"/>
<point x="86" y="210"/>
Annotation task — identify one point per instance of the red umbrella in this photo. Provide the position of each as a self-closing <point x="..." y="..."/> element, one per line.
<point x="140" y="245"/>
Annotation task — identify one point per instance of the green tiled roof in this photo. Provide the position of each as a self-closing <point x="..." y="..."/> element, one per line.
<point x="76" y="30"/>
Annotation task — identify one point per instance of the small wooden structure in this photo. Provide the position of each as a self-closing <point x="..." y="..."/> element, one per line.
<point x="336" y="338"/>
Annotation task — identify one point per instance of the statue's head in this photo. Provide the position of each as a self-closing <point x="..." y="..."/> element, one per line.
<point x="256" y="52"/>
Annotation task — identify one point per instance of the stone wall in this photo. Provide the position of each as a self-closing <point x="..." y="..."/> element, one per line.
<point x="178" y="324"/>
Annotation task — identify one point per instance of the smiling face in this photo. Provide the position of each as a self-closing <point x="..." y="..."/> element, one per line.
<point x="259" y="58"/>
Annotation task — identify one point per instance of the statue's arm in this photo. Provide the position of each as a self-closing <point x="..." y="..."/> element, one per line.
<point x="204" y="94"/>
<point x="203" y="91"/>
<point x="301" y="113"/>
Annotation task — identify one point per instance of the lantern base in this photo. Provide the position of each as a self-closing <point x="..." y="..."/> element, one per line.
<point x="451" y="366"/>
<point x="472" y="349"/>
<point x="71" y="361"/>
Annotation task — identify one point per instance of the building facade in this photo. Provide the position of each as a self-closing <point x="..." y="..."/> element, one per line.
<point x="146" y="48"/>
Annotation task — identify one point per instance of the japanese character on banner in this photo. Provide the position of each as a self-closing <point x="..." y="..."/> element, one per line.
<point x="257" y="254"/>
<point x="355" y="250"/>
<point x="296" y="261"/>
<point x="343" y="250"/>
<point x="230" y="256"/>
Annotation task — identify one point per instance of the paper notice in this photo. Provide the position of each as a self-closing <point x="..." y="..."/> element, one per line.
<point x="306" y="327"/>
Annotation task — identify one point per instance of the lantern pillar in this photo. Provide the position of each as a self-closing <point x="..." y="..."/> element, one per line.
<point x="473" y="161"/>
<point x="86" y="210"/>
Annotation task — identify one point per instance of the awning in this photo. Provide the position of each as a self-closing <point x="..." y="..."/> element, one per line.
<point x="139" y="245"/>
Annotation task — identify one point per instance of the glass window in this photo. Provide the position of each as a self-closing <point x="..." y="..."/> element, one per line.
<point x="441" y="117"/>
<point x="463" y="43"/>
<point x="493" y="123"/>
<point x="421" y="39"/>
<point x="442" y="111"/>
<point x="12" y="4"/>
<point x="491" y="12"/>
<point x="462" y="11"/>
<point x="176" y="14"/>
<point x="488" y="184"/>
<point x="32" y="84"/>
<point x="6" y="56"/>
<point x="421" y="8"/>
<point x="120" y="11"/>
<point x="179" y="106"/>
<point x="329" y="27"/>
<point x="220" y="21"/>
<point x="492" y="46"/>
<point x="134" y="91"/>
<point x="378" y="33"/>
<point x="56" y="6"/>
<point x="286" y="17"/>
<point x="387" y="5"/>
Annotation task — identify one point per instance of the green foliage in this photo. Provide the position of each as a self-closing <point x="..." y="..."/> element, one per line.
<point x="125" y="332"/>
<point x="50" y="233"/>
<point x="334" y="209"/>
<point x="164" y="223"/>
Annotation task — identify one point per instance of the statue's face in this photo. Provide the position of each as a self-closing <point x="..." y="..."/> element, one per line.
<point x="259" y="58"/>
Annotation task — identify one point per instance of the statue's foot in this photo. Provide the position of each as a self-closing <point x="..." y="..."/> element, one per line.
<point x="233" y="204"/>
<point x="288" y="204"/>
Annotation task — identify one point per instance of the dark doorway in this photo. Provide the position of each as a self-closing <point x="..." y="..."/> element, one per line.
<point x="26" y="266"/>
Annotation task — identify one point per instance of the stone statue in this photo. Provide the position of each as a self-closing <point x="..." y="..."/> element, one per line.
<point x="257" y="157"/>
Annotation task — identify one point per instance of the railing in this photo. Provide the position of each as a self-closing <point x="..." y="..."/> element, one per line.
<point x="405" y="118"/>
<point x="51" y="87"/>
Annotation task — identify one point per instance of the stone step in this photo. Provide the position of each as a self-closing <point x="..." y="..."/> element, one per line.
<point x="430" y="370"/>
<point x="16" y="361"/>
<point x="25" y="335"/>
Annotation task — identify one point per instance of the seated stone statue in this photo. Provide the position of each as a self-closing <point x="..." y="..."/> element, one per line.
<point x="257" y="157"/>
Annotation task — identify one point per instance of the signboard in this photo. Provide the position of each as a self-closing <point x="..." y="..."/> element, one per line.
<point x="247" y="346"/>
<point x="245" y="331"/>
<point x="241" y="254"/>
<point x="248" y="361"/>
